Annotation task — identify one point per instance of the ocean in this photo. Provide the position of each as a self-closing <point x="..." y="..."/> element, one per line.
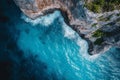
<point x="48" y="49"/>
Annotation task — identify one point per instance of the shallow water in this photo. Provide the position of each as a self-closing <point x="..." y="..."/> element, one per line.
<point x="48" y="49"/>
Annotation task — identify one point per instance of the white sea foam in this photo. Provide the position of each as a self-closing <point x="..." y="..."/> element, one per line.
<point x="82" y="67"/>
<point x="68" y="32"/>
<point x="43" y="20"/>
<point x="71" y="34"/>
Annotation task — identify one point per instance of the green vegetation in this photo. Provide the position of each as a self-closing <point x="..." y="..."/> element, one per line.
<point x="98" y="6"/>
<point x="105" y="18"/>
<point x="98" y="33"/>
<point x="93" y="7"/>
<point x="118" y="14"/>
<point x="98" y="41"/>
<point x="94" y="25"/>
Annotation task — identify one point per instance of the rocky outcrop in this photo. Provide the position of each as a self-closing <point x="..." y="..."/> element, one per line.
<point x="105" y="31"/>
<point x="78" y="18"/>
<point x="35" y="8"/>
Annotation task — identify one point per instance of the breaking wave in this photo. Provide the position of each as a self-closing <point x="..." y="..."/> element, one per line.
<point x="48" y="49"/>
<point x="65" y="49"/>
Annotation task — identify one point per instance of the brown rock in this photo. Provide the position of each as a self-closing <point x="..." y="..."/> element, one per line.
<point x="35" y="8"/>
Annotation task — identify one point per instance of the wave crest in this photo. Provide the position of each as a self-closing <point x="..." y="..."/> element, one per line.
<point x="43" y="20"/>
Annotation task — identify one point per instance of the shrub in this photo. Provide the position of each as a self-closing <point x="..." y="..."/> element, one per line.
<point x="103" y="5"/>
<point x="96" y="8"/>
<point x="98" y="33"/>
<point x="98" y="41"/>
<point x="100" y="2"/>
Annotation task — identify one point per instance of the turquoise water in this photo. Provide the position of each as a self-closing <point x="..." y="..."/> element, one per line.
<point x="64" y="51"/>
<point x="51" y="41"/>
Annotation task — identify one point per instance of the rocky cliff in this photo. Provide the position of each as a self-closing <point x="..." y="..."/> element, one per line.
<point x="35" y="8"/>
<point x="101" y="35"/>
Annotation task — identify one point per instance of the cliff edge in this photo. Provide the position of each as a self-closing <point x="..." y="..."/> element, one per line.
<point x="102" y="31"/>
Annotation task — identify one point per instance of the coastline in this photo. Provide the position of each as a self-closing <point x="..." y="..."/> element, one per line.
<point x="83" y="25"/>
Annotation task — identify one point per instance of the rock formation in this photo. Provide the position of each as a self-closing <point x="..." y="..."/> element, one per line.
<point x="75" y="15"/>
<point x="35" y="8"/>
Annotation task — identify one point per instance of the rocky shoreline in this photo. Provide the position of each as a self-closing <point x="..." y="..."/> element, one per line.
<point x="84" y="22"/>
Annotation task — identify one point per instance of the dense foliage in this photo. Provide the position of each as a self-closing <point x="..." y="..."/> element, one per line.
<point x="98" y="33"/>
<point x="102" y="5"/>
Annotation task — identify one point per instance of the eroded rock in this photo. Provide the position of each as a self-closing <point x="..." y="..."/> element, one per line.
<point x="34" y="8"/>
<point x="75" y="15"/>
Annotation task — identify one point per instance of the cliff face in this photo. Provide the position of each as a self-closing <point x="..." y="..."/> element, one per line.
<point x="93" y="27"/>
<point x="105" y="31"/>
<point x="35" y="8"/>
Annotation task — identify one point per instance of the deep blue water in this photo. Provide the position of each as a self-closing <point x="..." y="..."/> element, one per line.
<point x="48" y="49"/>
